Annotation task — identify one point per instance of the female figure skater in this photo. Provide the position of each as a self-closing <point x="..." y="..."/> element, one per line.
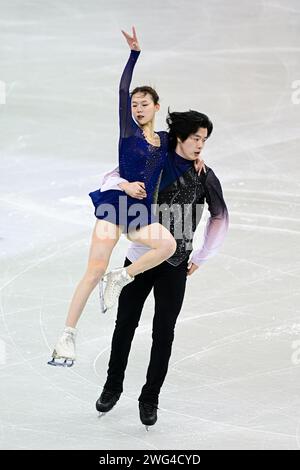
<point x="142" y="154"/>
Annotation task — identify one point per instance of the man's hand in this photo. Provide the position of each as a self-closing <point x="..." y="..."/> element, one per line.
<point x="191" y="268"/>
<point x="199" y="166"/>
<point x="136" y="189"/>
<point x="132" y="41"/>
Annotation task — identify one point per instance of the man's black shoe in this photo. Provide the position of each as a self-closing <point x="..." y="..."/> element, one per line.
<point x="107" y="401"/>
<point x="148" y="413"/>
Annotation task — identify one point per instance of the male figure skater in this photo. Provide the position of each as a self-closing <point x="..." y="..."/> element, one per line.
<point x="182" y="193"/>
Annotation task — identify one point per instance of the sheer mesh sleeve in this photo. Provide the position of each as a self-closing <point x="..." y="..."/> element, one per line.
<point x="127" y="124"/>
<point x="217" y="224"/>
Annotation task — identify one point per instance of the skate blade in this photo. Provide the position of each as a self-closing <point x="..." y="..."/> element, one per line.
<point x="61" y="362"/>
<point x="101" y="295"/>
<point x="147" y="428"/>
<point x="101" y="414"/>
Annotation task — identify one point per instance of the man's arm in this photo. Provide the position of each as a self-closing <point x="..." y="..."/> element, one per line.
<point x="217" y="224"/>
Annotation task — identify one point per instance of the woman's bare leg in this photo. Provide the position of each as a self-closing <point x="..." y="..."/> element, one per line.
<point x="104" y="238"/>
<point x="157" y="237"/>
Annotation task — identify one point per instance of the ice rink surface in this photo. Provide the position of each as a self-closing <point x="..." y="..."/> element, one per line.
<point x="233" y="380"/>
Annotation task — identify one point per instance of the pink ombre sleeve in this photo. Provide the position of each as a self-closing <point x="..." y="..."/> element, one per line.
<point x="217" y="224"/>
<point x="110" y="180"/>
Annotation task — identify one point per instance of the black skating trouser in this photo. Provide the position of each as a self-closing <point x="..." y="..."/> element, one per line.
<point x="168" y="283"/>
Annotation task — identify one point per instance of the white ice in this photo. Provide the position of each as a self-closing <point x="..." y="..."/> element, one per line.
<point x="233" y="380"/>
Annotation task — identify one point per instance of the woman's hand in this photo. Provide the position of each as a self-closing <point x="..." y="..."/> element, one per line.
<point x="199" y="166"/>
<point x="136" y="189"/>
<point x="132" y="41"/>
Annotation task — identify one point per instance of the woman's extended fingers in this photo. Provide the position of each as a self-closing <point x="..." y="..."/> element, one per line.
<point x="126" y="35"/>
<point x="134" y="34"/>
<point x="132" y="40"/>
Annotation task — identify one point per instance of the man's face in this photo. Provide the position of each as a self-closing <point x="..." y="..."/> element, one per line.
<point x="192" y="147"/>
<point x="143" y="108"/>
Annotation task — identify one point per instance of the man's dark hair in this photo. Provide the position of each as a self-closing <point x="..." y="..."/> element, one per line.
<point x="146" y="89"/>
<point x="184" y="124"/>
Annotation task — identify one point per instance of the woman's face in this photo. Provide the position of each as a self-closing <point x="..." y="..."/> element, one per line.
<point x="143" y="108"/>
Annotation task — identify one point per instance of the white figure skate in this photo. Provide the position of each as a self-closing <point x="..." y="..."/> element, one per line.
<point x="115" y="281"/>
<point x="64" y="352"/>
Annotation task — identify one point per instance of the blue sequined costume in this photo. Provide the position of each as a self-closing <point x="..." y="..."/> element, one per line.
<point x="138" y="161"/>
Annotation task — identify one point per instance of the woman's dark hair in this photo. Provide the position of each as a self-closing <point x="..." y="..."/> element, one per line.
<point x="146" y="89"/>
<point x="184" y="124"/>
